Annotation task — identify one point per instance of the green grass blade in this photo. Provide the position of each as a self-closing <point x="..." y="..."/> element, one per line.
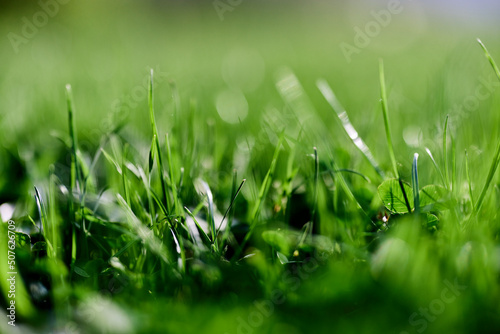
<point x="345" y="187"/>
<point x="126" y="190"/>
<point x="75" y="174"/>
<point x="54" y="225"/>
<point x="490" y="59"/>
<point x="234" y="192"/>
<point x="264" y="189"/>
<point x="204" y="187"/>
<point x="467" y="172"/>
<point x="453" y="164"/>
<point x="206" y="240"/>
<point x="112" y="161"/>
<point x="489" y="179"/>
<point x="147" y="187"/>
<point x="173" y="186"/>
<point x="496" y="157"/>
<point x="414" y="183"/>
<point x="385" y="111"/>
<point x="436" y="167"/>
<point x="349" y="129"/>
<point x="316" y="184"/>
<point x="233" y="199"/>
<point x="44" y="223"/>
<point x="157" y="142"/>
<point x="445" y="153"/>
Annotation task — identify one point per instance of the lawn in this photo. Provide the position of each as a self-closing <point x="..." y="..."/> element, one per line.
<point x="249" y="167"/>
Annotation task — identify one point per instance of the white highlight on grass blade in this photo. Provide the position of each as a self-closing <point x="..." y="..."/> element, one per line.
<point x="437" y="167"/>
<point x="232" y="106"/>
<point x="203" y="188"/>
<point x="346" y="123"/>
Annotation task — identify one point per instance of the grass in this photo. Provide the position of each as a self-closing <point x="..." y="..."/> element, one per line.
<point x="279" y="223"/>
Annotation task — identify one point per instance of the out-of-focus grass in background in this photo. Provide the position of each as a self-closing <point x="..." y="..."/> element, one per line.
<point x="105" y="49"/>
<point x="229" y="68"/>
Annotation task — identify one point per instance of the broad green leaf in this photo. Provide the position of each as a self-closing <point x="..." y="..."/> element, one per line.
<point x="434" y="197"/>
<point x="393" y="198"/>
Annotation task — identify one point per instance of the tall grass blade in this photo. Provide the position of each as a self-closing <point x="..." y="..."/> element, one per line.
<point x="436" y="167"/>
<point x="75" y="174"/>
<point x="349" y="129"/>
<point x="173" y="186"/>
<point x="264" y="189"/>
<point x="414" y="183"/>
<point x="44" y="223"/>
<point x="490" y="59"/>
<point x="467" y="173"/>
<point x="233" y="199"/>
<point x="157" y="141"/>
<point x="204" y="237"/>
<point x="385" y="111"/>
<point x="203" y="186"/>
<point x="316" y="184"/>
<point x="234" y="192"/>
<point x="445" y="153"/>
<point x="126" y="190"/>
<point x="496" y="157"/>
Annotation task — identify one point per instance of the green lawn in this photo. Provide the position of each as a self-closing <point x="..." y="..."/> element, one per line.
<point x="248" y="167"/>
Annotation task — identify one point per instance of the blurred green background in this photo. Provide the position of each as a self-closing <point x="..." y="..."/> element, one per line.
<point x="104" y="49"/>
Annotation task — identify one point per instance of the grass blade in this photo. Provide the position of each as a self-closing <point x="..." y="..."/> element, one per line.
<point x="124" y="176"/>
<point x="385" y="111"/>
<point x="206" y="240"/>
<point x="44" y="223"/>
<point x="436" y="166"/>
<point x="233" y="199"/>
<point x="316" y="180"/>
<point x="445" y="153"/>
<point x="74" y="184"/>
<point x="234" y="193"/>
<point x="173" y="186"/>
<point x="414" y="183"/>
<point x="330" y="97"/>
<point x="157" y="142"/>
<point x="202" y="185"/>
<point x="496" y="157"/>
<point x="467" y="172"/>
<point x="264" y="189"/>
<point x="490" y="59"/>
